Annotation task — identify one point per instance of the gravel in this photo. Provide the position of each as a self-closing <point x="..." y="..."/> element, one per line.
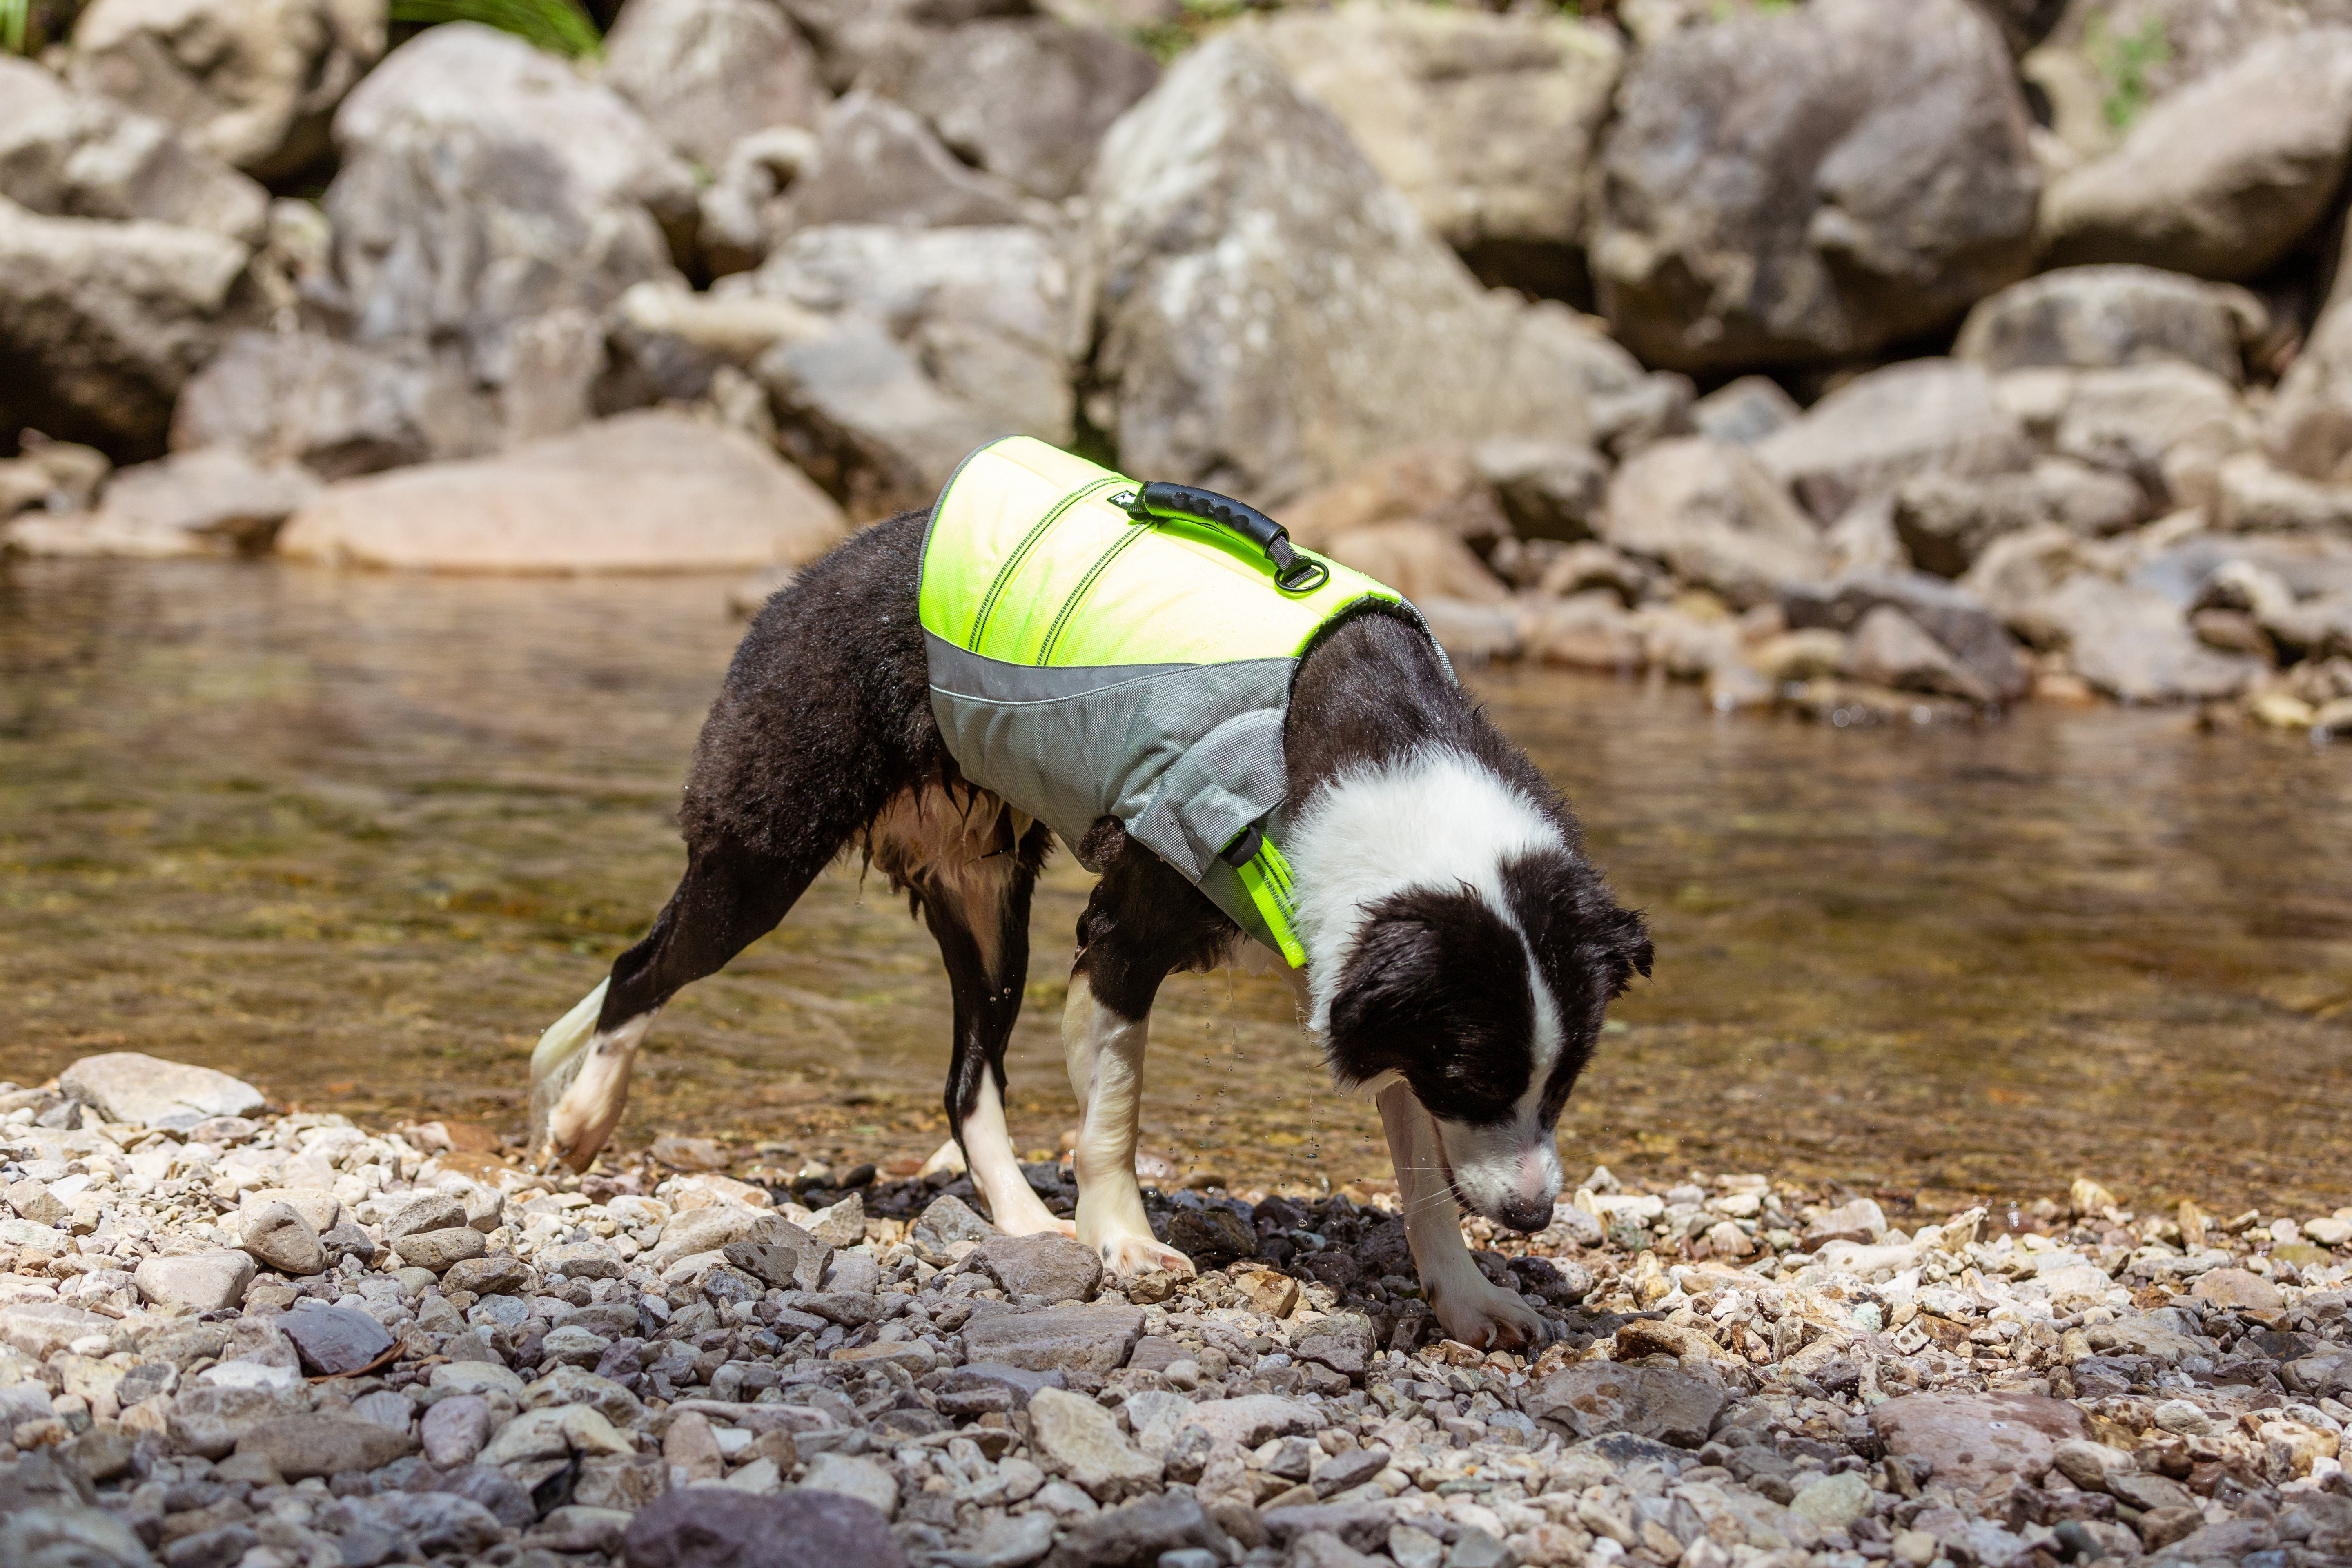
<point x="1745" y="1374"/>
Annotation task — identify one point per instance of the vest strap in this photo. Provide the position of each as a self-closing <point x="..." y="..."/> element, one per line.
<point x="1264" y="876"/>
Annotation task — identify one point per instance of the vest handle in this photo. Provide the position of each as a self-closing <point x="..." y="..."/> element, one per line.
<point x="1294" y="572"/>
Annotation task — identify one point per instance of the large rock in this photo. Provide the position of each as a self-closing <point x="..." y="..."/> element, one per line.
<point x="1595" y="1397"/>
<point x="1026" y="98"/>
<point x="1272" y="314"/>
<point x="278" y="1236"/>
<point x="215" y="500"/>
<point x="1077" y="1439"/>
<point x="1085" y="1344"/>
<point x="1713" y="515"/>
<point x="2309" y="428"/>
<point x="69" y="1537"/>
<point x="250" y="81"/>
<point x="124" y="1086"/>
<point x="1945" y="520"/>
<point x="2222" y="178"/>
<point x="877" y="162"/>
<point x="202" y="1281"/>
<point x="2166" y="424"/>
<point x="717" y="1527"/>
<point x="1958" y="620"/>
<point x="650" y="492"/>
<point x="324" y="1445"/>
<point x="2091" y="318"/>
<point x="102" y="322"/>
<point x="72" y="154"/>
<point x="212" y="1419"/>
<point x="1489" y="124"/>
<point x="1879" y="429"/>
<point x="708" y="73"/>
<point x="1970" y="1438"/>
<point x="339" y="409"/>
<point x="929" y="342"/>
<point x="334" y="1341"/>
<point x="485" y="183"/>
<point x="1057" y="1267"/>
<point x="1811" y="184"/>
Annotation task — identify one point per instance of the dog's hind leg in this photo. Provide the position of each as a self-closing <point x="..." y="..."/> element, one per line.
<point x="1143" y="922"/>
<point x="728" y="899"/>
<point x="970" y="863"/>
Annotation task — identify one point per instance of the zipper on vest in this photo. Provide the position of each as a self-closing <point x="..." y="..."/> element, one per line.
<point x="1027" y="547"/>
<point x="1085" y="586"/>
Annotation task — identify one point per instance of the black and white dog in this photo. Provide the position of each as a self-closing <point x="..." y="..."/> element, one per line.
<point x="1462" y="951"/>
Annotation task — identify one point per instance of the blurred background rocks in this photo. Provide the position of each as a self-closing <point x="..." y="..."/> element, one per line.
<point x="1834" y="355"/>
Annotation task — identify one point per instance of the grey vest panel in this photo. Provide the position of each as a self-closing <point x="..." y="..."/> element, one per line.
<point x="1185" y="756"/>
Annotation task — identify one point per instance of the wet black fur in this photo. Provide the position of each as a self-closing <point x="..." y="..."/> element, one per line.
<point x="824" y="717"/>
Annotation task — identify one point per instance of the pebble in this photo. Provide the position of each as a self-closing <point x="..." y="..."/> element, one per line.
<point x="281" y="1239"/>
<point x="202" y="1282"/>
<point x="695" y="1375"/>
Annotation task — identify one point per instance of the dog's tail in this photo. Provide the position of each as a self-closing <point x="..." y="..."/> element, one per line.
<point x="556" y="1060"/>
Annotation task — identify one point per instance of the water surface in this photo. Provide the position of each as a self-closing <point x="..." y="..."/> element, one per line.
<point x="359" y="838"/>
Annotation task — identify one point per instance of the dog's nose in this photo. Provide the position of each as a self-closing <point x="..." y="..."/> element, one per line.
<point x="1526" y="1214"/>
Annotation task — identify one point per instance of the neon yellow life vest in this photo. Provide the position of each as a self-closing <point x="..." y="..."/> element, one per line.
<point x="1086" y="663"/>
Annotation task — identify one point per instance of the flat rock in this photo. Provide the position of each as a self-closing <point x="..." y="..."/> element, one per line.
<point x="713" y="1228"/>
<point x="210" y="1420"/>
<point x="555" y="1432"/>
<point x="1343" y="1342"/>
<point x="478" y="1377"/>
<point x="437" y="1249"/>
<point x="323" y="1445"/>
<point x="1253" y="1418"/>
<point x="653" y="491"/>
<point x="979" y="1386"/>
<point x="71" y="1537"/>
<point x="850" y="1476"/>
<point x="125" y="1086"/>
<point x="425" y="1211"/>
<point x="1592" y="1398"/>
<point x="335" y="1341"/>
<point x="1970" y="1438"/>
<point x="41" y="1330"/>
<point x="581" y="1260"/>
<point x="2091" y="318"/>
<point x="1058" y="1268"/>
<point x="1140" y="1531"/>
<point x="718" y="1526"/>
<point x="496" y="1274"/>
<point x="1077" y="1439"/>
<point x="201" y="1281"/>
<point x="2238" y="1288"/>
<point x="1083" y="1343"/>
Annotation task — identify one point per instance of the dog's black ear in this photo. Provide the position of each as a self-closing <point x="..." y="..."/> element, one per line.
<point x="1624" y="944"/>
<point x="1385" y="998"/>
<point x="1437" y="989"/>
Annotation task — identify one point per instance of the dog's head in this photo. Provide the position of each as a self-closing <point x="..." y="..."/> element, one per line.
<point x="1486" y="1001"/>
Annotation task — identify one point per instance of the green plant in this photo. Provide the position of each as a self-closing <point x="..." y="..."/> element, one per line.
<point x="559" y="26"/>
<point x="2123" y="63"/>
<point x="14" y="15"/>
<point x="1163" y="41"/>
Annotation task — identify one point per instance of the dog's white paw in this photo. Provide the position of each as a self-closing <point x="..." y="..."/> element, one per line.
<point x="1045" y="1224"/>
<point x="1132" y="1257"/>
<point x="1488" y="1316"/>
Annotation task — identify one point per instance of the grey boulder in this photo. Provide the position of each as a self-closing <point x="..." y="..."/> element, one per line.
<point x="708" y="73"/>
<point x="1882" y="427"/>
<point x="1272" y="314"/>
<point x="1713" y="515"/>
<point x="250" y="82"/>
<point x="73" y="154"/>
<point x="2222" y="178"/>
<point x="1814" y="183"/>
<point x="2091" y="318"/>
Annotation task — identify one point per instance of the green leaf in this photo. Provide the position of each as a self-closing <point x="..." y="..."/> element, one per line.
<point x="559" y="26"/>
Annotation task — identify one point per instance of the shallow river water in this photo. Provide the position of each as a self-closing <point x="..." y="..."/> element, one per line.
<point x="359" y="838"/>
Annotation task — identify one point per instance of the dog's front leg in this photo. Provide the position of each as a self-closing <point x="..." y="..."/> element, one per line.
<point x="1470" y="1307"/>
<point x="1104" y="1054"/>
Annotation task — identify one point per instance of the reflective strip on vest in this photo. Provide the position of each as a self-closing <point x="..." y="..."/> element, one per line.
<point x="1084" y="665"/>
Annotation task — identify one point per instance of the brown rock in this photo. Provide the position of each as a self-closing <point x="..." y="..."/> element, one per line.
<point x="1058" y="1268"/>
<point x="1595" y="1397"/>
<point x="2237" y="1288"/>
<point x="499" y="1274"/>
<point x="1972" y="1439"/>
<point x="323" y="1445"/>
<point x="650" y="492"/>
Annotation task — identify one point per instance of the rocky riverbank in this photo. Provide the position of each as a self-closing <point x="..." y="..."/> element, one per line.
<point x="1882" y="362"/>
<point x="231" y="1337"/>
